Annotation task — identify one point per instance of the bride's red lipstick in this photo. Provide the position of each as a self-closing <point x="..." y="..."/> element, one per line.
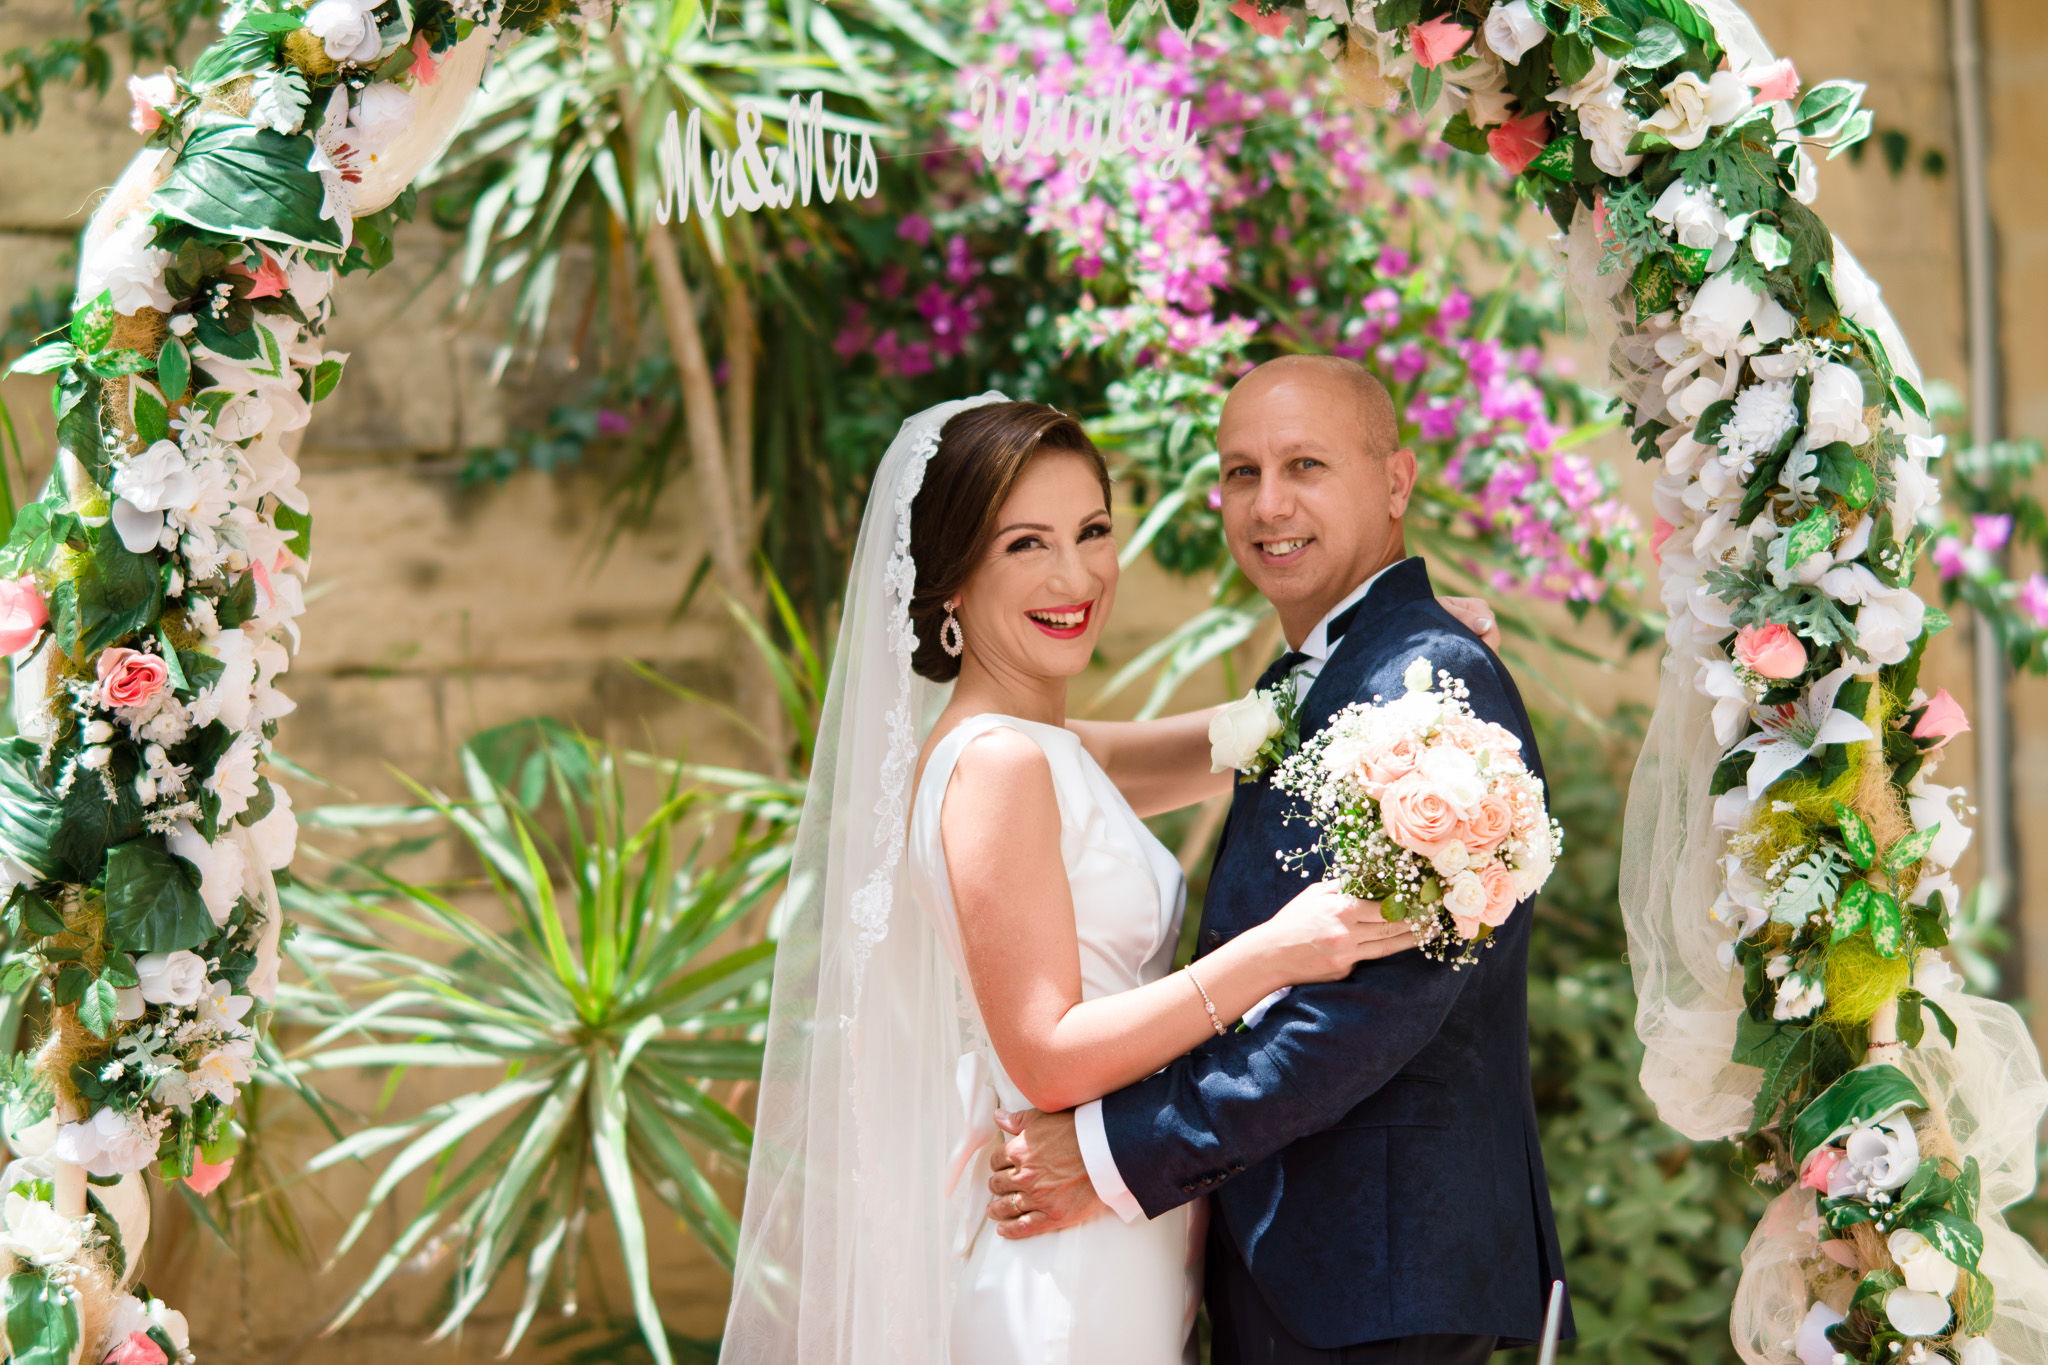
<point x="1087" y="610"/>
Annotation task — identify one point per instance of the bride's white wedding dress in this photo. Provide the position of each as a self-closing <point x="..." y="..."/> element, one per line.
<point x="1107" y="1292"/>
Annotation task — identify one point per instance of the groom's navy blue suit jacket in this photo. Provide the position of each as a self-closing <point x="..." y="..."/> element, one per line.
<point x="1371" y="1145"/>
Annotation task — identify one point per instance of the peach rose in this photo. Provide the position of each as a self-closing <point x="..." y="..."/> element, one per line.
<point x="1437" y="41"/>
<point x="130" y="678"/>
<point x="1385" y="766"/>
<point x="1489" y="824"/>
<point x="1515" y="143"/>
<point x="1417" y="817"/>
<point x="1500" y="893"/>
<point x="22" y="614"/>
<point x="1771" y="651"/>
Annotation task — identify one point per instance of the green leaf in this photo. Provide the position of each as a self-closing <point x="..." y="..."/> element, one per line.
<point x="114" y="364"/>
<point x="1852" y="914"/>
<point x="1655" y="286"/>
<point x="300" y="526"/>
<point x="275" y="21"/>
<point x="1424" y="85"/>
<point x="1887" y="923"/>
<point x="173" y="369"/>
<point x="1864" y="1096"/>
<point x="240" y="53"/>
<point x="1910" y="850"/>
<point x="153" y="903"/>
<point x="42" y="1324"/>
<point x="325" y="376"/>
<point x="93" y="325"/>
<point x="1769" y="246"/>
<point x="46" y="359"/>
<point x="1572" y="55"/>
<point x="146" y="409"/>
<point x="242" y="181"/>
<point x="1808" y="888"/>
<point x="1463" y="134"/>
<point x="1909" y="397"/>
<point x="1184" y="14"/>
<point x="1856" y="836"/>
<point x="99" y="1007"/>
<point x="1810" y="537"/>
<point x="1555" y="160"/>
<point x="1824" y="109"/>
<point x="1943" y="1021"/>
<point x="1954" y="1236"/>
<point x="1912" y="1028"/>
<point x="1656" y="44"/>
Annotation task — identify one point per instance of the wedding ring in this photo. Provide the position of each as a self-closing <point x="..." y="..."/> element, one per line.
<point x="1017" y="1201"/>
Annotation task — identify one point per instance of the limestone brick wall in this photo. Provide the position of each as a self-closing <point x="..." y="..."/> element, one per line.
<point x="436" y="611"/>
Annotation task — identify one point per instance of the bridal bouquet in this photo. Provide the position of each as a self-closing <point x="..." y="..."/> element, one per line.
<point x="1421" y="805"/>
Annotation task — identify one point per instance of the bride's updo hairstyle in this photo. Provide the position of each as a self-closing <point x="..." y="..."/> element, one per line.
<point x="982" y="453"/>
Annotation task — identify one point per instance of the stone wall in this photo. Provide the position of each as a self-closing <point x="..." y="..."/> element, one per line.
<point x="436" y="611"/>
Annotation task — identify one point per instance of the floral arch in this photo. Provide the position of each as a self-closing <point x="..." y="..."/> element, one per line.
<point x="1788" y="869"/>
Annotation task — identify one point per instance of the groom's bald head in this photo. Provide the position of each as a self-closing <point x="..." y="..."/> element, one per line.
<point x="1345" y="389"/>
<point x="1314" y="483"/>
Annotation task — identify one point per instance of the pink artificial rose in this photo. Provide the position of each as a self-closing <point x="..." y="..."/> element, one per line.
<point x="207" y="1175"/>
<point x="1272" y="25"/>
<point x="1942" y="721"/>
<point x="269" y="276"/>
<point x="1771" y="651"/>
<point x="130" y="678"/>
<point x="144" y="93"/>
<point x="1417" y="817"/>
<point x="1778" y="81"/>
<point x="1819" y="1167"/>
<point x="1386" y="766"/>
<point x="22" y="614"/>
<point x="425" y="70"/>
<point x="1660" y="531"/>
<point x="1437" y="41"/>
<point x="1517" y="142"/>
<point x="1500" y="893"/>
<point x="1489" y="824"/>
<point x="137" y="1350"/>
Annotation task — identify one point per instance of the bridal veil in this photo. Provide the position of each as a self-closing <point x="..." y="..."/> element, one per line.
<point x="846" y="1242"/>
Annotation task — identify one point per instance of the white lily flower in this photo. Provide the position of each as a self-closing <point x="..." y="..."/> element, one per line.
<point x="1795" y="731"/>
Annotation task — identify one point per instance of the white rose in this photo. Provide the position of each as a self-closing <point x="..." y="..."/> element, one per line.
<point x="1876" y="1156"/>
<point x="1695" y="219"/>
<point x="1916" y="491"/>
<point x="347" y="29"/>
<point x="1772" y="323"/>
<point x="1418" y="675"/>
<point x="1608" y="128"/>
<point x="1930" y="805"/>
<point x="310" y="284"/>
<point x="35" y="1232"/>
<point x="1834" y="407"/>
<point x="1238" y="731"/>
<point x="174" y="978"/>
<point x="1718" y="314"/>
<point x="1917" y="1314"/>
<point x="1978" y="1351"/>
<point x="129" y="267"/>
<point x="219" y="864"/>
<point x="1888" y="624"/>
<point x="1452" y="859"/>
<point x="381" y="113"/>
<point x="1452" y="774"/>
<point x="273" y="839"/>
<point x="1465" y="896"/>
<point x="1812" y="1342"/>
<point x="1512" y="29"/>
<point x="1933" y="976"/>
<point x="1925" y="1268"/>
<point x="1530" y="872"/>
<point x="1484" y="85"/>
<point x="143" y="487"/>
<point x="108" y="1143"/>
<point x="1693" y="107"/>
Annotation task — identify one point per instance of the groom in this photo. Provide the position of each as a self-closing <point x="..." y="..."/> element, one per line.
<point x="1371" y="1143"/>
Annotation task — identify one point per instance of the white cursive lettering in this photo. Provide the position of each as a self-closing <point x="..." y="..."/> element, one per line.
<point x="751" y="176"/>
<point x="1016" y="120"/>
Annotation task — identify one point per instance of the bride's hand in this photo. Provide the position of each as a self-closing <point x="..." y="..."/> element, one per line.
<point x="1476" y="615"/>
<point x="1323" y="933"/>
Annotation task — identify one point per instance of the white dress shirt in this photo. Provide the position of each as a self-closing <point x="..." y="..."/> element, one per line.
<point x="1088" y="1125"/>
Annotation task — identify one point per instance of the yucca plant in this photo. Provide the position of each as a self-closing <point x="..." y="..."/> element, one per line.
<point x="597" y="994"/>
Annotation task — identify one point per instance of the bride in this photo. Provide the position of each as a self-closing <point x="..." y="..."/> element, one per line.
<point x="978" y="920"/>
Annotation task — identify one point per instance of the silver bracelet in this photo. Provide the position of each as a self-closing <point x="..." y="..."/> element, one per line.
<point x="1210" y="1005"/>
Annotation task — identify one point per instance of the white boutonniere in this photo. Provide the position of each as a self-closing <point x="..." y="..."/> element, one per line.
<point x="1254" y="733"/>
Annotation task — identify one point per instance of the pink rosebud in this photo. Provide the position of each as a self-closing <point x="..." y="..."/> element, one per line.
<point x="1942" y="720"/>
<point x="1272" y="25"/>
<point x="425" y="69"/>
<point x="1437" y="41"/>
<point x="146" y="96"/>
<point x="22" y="614"/>
<point x="1819" y="1166"/>
<point x="1778" y="81"/>
<point x="269" y="276"/>
<point x="137" y="1350"/>
<point x="129" y="678"/>
<point x="1660" y="531"/>
<point x="1771" y="651"/>
<point x="207" y="1175"/>
<point x="1517" y="142"/>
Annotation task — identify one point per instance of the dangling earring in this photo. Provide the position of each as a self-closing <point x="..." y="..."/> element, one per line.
<point x="950" y="637"/>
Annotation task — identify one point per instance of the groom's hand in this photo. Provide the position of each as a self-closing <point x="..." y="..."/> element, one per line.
<point x="1040" y="1182"/>
<point x="1477" y="616"/>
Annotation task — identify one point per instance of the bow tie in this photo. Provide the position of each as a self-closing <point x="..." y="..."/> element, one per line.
<point x="1283" y="667"/>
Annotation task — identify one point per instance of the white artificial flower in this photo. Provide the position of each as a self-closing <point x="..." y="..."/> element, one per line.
<point x="1812" y="1345"/>
<point x="1798" y="997"/>
<point x="1745" y="899"/>
<point x="1929" y="806"/>
<point x="1933" y="976"/>
<point x="174" y="978"/>
<point x="107" y="1144"/>
<point x="1608" y="128"/>
<point x="1888" y="620"/>
<point x="1336" y="11"/>
<point x="128" y="1004"/>
<point x="1454" y="775"/>
<point x="1532" y="868"/>
<point x="1512" y="29"/>
<point x="1763" y="416"/>
<point x="381" y="112"/>
<point x="144" y="486"/>
<point x="1465" y="896"/>
<point x="1238" y="731"/>
<point x="1924" y="1267"/>
<point x="1451" y="859"/>
<point x="334" y="160"/>
<point x="220" y="864"/>
<point x="1834" y="407"/>
<point x="174" y="1088"/>
<point x="1694" y="107"/>
<point x="273" y="839"/>
<point x="1483" y="85"/>
<point x="222" y="1011"/>
<point x="1720" y="312"/>
<point x="1418" y="675"/>
<point x="1696" y="220"/>
<point x="1773" y="323"/>
<point x="347" y="29"/>
<point x="223" y="1069"/>
<point x="1794" y="731"/>
<point x="1977" y="1351"/>
<point x="1732" y="702"/>
<point x="128" y="266"/>
<point x="1917" y="1314"/>
<point x="1876" y="1157"/>
<point x="233" y="778"/>
<point x="1916" y="491"/>
<point x="32" y="1230"/>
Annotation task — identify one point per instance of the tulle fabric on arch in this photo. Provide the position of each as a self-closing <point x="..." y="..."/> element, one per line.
<point x="846" y="1240"/>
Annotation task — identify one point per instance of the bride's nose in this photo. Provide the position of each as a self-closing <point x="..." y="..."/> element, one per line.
<point x="1071" y="574"/>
